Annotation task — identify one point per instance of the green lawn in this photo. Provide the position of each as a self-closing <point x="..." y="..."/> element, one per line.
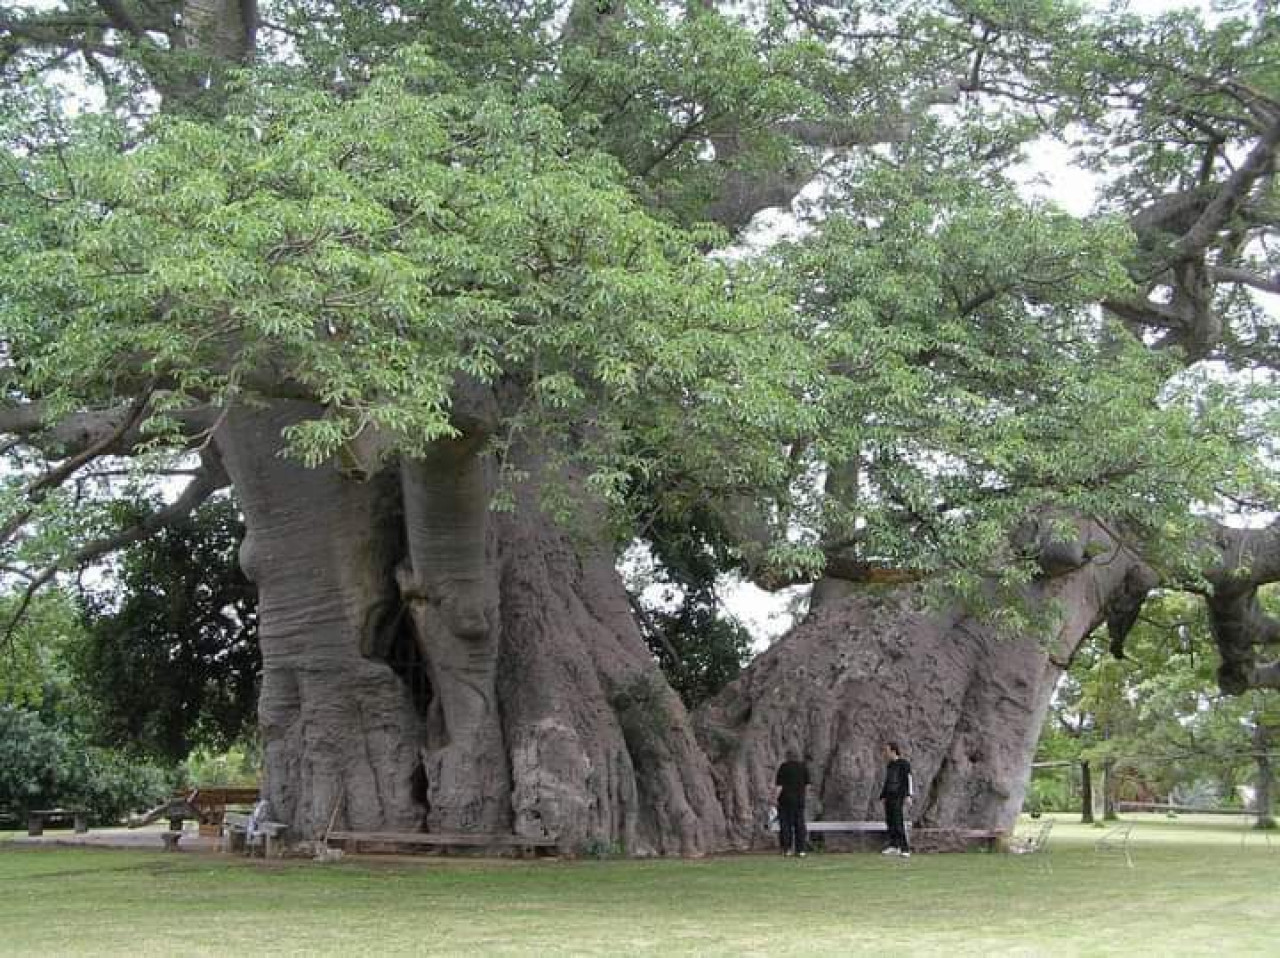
<point x="1194" y="890"/>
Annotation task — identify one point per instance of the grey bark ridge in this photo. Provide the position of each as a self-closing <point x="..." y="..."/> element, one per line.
<point x="339" y="729"/>
<point x="882" y="664"/>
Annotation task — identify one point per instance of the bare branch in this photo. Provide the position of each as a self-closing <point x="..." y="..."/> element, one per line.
<point x="1232" y="193"/>
<point x="1231" y="274"/>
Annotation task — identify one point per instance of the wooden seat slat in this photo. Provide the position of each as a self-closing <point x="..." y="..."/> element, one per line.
<point x="435" y="838"/>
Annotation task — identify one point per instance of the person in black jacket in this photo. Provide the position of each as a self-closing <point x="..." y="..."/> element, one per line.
<point x="793" y="784"/>
<point x="896" y="792"/>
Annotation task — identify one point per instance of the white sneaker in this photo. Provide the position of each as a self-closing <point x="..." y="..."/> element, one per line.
<point x="891" y="851"/>
<point x="906" y="854"/>
<point x="802" y="854"/>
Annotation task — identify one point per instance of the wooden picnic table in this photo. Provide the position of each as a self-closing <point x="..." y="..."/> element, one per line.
<point x="211" y="802"/>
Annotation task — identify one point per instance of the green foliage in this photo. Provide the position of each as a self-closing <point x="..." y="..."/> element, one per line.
<point x="44" y="766"/>
<point x="31" y="663"/>
<point x="399" y="200"/>
<point x="699" y="649"/>
<point x="697" y="642"/>
<point x="1158" y="714"/>
<point x="601" y="849"/>
<point x="169" y="658"/>
<point x="240" y="764"/>
<point x="960" y="318"/>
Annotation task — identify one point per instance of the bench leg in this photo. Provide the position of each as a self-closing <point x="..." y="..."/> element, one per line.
<point x="82" y="824"/>
<point x="35" y="825"/>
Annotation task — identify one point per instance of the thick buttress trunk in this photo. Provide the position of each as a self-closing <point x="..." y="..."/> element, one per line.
<point x="451" y="588"/>
<point x="531" y="704"/>
<point x="882" y="665"/>
<point x="340" y="733"/>
<point x="601" y="748"/>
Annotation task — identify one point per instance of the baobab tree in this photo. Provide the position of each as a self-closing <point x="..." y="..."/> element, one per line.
<point x="437" y="288"/>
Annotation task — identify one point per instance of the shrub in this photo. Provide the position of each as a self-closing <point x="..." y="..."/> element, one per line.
<point x="43" y="766"/>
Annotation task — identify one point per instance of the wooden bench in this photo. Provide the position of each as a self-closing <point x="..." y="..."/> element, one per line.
<point x="928" y="836"/>
<point x="526" y="845"/>
<point x="38" y="818"/>
<point x="821" y="827"/>
<point x="240" y="833"/>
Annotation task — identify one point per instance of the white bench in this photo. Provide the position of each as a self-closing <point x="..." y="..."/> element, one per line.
<point x="265" y="835"/>
<point x="1116" y="839"/>
<point x="988" y="835"/>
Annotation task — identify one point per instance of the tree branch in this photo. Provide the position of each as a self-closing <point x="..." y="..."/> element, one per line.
<point x="1234" y="274"/>
<point x="1231" y="194"/>
<point x="208" y="480"/>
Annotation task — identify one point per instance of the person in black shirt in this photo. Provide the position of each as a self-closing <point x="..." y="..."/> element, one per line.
<point x="793" y="783"/>
<point x="896" y="792"/>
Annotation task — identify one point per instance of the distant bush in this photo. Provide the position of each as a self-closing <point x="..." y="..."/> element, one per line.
<point x="1048" y="794"/>
<point x="1201" y="793"/>
<point x="44" y="766"/>
<point x="238" y="765"/>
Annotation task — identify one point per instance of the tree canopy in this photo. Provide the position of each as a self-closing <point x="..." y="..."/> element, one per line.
<point x="528" y="225"/>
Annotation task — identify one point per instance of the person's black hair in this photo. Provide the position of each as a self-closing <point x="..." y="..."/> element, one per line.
<point x="893" y="747"/>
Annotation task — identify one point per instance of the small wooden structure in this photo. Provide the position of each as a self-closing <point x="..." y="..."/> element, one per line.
<point x="211" y="801"/>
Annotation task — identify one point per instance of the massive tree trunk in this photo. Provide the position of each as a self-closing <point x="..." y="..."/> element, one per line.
<point x="339" y="729"/>
<point x="882" y="665"/>
<point x="430" y="663"/>
<point x="531" y="703"/>
<point x="601" y="748"/>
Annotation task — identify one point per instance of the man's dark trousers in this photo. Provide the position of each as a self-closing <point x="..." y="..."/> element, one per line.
<point x="792" y="834"/>
<point x="893" y="819"/>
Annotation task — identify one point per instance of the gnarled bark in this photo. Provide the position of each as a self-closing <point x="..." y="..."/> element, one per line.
<point x="600" y="746"/>
<point x="340" y="733"/>
<point x="965" y="704"/>
<point x="545" y="713"/>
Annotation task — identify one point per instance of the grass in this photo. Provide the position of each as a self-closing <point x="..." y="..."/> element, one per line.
<point x="1194" y="890"/>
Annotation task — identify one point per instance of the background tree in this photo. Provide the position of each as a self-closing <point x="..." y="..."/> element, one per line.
<point x="1172" y="733"/>
<point x="170" y="656"/>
